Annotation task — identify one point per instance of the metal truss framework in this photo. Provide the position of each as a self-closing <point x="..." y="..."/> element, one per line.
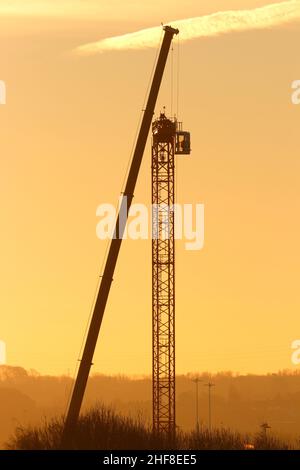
<point x="163" y="275"/>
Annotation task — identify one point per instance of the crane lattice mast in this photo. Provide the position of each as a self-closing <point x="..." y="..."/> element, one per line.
<point x="168" y="139"/>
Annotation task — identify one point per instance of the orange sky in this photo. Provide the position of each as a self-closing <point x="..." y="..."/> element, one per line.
<point x="66" y="134"/>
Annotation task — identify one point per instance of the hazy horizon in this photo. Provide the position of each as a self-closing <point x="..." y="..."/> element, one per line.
<point x="240" y="403"/>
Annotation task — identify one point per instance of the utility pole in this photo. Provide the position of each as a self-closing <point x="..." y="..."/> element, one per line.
<point x="264" y="427"/>
<point x="196" y="381"/>
<point x="209" y="385"/>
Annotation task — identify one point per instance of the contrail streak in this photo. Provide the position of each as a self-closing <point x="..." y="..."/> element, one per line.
<point x="202" y="26"/>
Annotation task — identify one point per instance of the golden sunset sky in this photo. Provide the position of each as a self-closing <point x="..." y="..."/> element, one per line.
<point x="66" y="135"/>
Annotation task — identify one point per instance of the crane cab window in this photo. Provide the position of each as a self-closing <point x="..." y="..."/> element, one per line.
<point x="183" y="143"/>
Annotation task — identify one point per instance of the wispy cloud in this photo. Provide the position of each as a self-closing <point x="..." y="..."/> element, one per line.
<point x="202" y="26"/>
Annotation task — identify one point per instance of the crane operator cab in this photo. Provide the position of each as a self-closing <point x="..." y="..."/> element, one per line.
<point x="183" y="141"/>
<point x="168" y="130"/>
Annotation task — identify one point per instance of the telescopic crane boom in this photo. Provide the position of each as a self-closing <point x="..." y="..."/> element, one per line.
<point x="99" y="308"/>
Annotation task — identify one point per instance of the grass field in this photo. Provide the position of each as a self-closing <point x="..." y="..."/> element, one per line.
<point x="102" y="429"/>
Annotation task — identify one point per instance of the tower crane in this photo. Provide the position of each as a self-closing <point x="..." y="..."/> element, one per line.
<point x="107" y="278"/>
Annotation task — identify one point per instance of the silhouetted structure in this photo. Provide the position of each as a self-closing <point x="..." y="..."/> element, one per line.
<point x="168" y="140"/>
<point x="163" y="275"/>
<point x="99" y="308"/>
<point x="209" y="385"/>
<point x="196" y="381"/>
<point x="264" y="427"/>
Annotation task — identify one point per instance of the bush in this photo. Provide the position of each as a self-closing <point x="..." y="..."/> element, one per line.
<point x="102" y="429"/>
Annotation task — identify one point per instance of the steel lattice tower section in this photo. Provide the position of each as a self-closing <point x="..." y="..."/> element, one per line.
<point x="163" y="275"/>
